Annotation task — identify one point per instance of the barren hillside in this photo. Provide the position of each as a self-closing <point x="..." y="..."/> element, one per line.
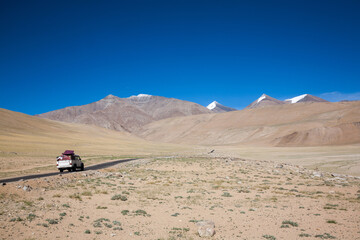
<point x="126" y="114"/>
<point x="28" y="143"/>
<point x="302" y="124"/>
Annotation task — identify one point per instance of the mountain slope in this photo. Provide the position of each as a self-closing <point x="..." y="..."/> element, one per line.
<point x="219" y="108"/>
<point x="307" y="124"/>
<point x="18" y="130"/>
<point x="305" y="98"/>
<point x="264" y="101"/>
<point x="126" y="114"/>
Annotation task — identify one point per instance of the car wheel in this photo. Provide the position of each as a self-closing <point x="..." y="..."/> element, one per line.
<point x="82" y="167"/>
<point x="61" y="170"/>
<point x="74" y="168"/>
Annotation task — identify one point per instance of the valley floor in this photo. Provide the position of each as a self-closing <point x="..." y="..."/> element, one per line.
<point x="164" y="198"/>
<point x="343" y="159"/>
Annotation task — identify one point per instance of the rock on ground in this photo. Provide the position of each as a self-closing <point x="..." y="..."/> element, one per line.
<point x="206" y="228"/>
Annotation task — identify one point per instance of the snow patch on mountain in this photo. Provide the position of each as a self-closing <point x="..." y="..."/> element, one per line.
<point x="212" y="105"/>
<point x="296" y="99"/>
<point x="216" y="107"/>
<point x="141" y="95"/>
<point x="261" y="98"/>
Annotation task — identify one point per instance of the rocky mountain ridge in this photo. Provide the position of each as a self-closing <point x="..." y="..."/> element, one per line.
<point x="265" y="100"/>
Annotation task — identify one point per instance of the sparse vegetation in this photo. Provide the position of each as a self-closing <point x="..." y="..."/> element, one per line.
<point x="331" y="206"/>
<point x="31" y="217"/>
<point x="116" y="223"/>
<point x="325" y="236"/>
<point x="125" y="212"/>
<point x="291" y="223"/>
<point x="86" y="193"/>
<point x="331" y="221"/>
<point x="226" y="194"/>
<point x="186" y="185"/>
<point x="119" y="197"/>
<point x="75" y="196"/>
<point x="18" y="219"/>
<point x="269" y="237"/>
<point x="140" y="212"/>
<point x="52" y="221"/>
<point x="100" y="207"/>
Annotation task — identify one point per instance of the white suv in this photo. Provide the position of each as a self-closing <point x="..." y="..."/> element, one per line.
<point x="68" y="160"/>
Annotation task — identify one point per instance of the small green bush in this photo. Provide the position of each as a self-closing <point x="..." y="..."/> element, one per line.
<point x="269" y="237"/>
<point x="125" y="212"/>
<point x="31" y="217"/>
<point x="119" y="197"/>
<point x="52" y="221"/>
<point x="331" y="221"/>
<point x="288" y="222"/>
<point x="141" y="213"/>
<point x="226" y="194"/>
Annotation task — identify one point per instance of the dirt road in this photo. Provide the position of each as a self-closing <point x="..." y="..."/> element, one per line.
<point x="93" y="167"/>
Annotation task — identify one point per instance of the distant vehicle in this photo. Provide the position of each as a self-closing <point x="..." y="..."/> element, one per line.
<point x="68" y="160"/>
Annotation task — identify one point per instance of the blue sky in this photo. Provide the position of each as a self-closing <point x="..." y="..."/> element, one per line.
<point x="55" y="54"/>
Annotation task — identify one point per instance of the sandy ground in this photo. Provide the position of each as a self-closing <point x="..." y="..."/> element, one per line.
<point x="338" y="159"/>
<point x="163" y="198"/>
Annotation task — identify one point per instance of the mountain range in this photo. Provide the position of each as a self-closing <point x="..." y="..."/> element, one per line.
<point x="301" y="121"/>
<point x="132" y="113"/>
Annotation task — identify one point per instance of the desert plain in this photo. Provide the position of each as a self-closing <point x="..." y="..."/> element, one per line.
<point x="240" y="191"/>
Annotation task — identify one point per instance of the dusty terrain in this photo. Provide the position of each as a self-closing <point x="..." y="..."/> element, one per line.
<point x="249" y="190"/>
<point x="163" y="198"/>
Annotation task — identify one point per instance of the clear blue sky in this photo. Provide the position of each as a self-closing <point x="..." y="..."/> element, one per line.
<point x="55" y="54"/>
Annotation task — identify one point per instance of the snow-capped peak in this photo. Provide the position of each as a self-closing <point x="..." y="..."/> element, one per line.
<point x="296" y="99"/>
<point x="212" y="105"/>
<point x="141" y="95"/>
<point x="261" y="98"/>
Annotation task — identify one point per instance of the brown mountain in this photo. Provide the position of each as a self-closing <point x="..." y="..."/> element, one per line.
<point x="264" y="101"/>
<point x="307" y="124"/>
<point x="126" y="114"/>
